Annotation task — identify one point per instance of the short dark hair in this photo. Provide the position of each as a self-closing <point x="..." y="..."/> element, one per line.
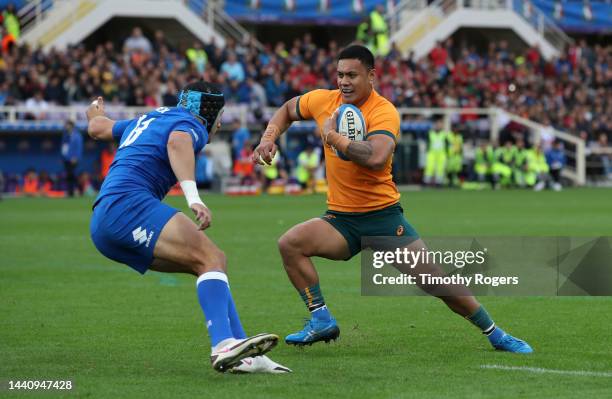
<point x="358" y="52"/>
<point x="203" y="99"/>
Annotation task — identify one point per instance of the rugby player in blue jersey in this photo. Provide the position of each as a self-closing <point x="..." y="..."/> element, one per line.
<point x="131" y="225"/>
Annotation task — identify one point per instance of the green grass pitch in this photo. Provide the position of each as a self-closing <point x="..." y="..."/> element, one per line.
<point x="68" y="313"/>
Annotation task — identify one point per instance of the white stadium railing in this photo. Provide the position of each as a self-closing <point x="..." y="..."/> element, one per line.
<point x="491" y="121"/>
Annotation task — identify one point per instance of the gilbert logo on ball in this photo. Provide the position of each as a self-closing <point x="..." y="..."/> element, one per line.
<point x="350" y="124"/>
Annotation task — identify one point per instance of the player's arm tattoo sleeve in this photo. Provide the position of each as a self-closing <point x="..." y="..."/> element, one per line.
<point x="360" y="152"/>
<point x="373" y="153"/>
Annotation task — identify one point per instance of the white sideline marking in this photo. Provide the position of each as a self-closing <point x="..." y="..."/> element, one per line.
<point x="582" y="373"/>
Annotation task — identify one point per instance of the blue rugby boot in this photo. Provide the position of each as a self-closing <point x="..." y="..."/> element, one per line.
<point x="506" y="342"/>
<point x="315" y="330"/>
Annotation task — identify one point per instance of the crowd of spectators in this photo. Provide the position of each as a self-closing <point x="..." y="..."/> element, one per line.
<point x="571" y="92"/>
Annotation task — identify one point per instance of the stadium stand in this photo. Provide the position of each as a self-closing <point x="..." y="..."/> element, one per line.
<point x="579" y="16"/>
<point x="569" y="93"/>
<point x="316" y="12"/>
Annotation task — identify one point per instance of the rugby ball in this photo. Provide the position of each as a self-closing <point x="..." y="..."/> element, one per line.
<point x="350" y="124"/>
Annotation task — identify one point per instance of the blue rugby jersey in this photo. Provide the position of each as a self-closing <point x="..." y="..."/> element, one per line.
<point x="141" y="162"/>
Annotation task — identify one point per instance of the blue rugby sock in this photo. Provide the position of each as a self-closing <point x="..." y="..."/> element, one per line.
<point x="214" y="294"/>
<point x="235" y="324"/>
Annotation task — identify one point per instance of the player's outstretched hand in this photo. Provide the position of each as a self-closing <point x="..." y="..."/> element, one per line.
<point x="264" y="153"/>
<point x="329" y="126"/>
<point x="96" y="108"/>
<point x="203" y="216"/>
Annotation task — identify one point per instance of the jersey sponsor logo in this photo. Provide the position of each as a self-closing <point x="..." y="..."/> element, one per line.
<point x="149" y="238"/>
<point x="141" y="237"/>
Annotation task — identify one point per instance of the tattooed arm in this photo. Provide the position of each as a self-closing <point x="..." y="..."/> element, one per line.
<point x="372" y="154"/>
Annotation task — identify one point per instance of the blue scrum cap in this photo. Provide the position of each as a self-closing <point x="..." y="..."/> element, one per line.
<point x="202" y="99"/>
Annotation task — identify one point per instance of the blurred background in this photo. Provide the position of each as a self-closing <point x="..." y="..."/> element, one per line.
<point x="491" y="93"/>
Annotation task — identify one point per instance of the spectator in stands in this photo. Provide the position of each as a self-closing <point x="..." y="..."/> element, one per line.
<point x="454" y="157"/>
<point x="11" y="21"/>
<point x="235" y="93"/>
<point x="71" y="89"/>
<point x="308" y="162"/>
<point x="483" y="162"/>
<point x="538" y="169"/>
<point x="501" y="169"/>
<point x="169" y="96"/>
<point x="55" y="92"/>
<point x="204" y="170"/>
<point x="37" y="106"/>
<point x="556" y="160"/>
<point x="439" y="58"/>
<point x="519" y="167"/>
<point x="232" y="68"/>
<point x="244" y="167"/>
<point x="547" y="137"/>
<point x="364" y="34"/>
<point x="240" y="137"/>
<point x="380" y="30"/>
<point x="258" y="100"/>
<point x="197" y="56"/>
<point x="45" y="184"/>
<point x="106" y="159"/>
<point x="602" y="151"/>
<point x="572" y="95"/>
<point x="435" y="167"/>
<point x="8" y="41"/>
<point x="276" y="89"/>
<point x="138" y="97"/>
<point x="30" y="184"/>
<point x="137" y="42"/>
<point x="160" y="42"/>
<point x="85" y="185"/>
<point x="216" y="56"/>
<point x="534" y="57"/>
<point x="4" y="93"/>
<point x="72" y="150"/>
<point x="273" y="173"/>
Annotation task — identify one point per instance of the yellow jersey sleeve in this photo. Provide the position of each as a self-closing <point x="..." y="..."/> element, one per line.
<point x="385" y="121"/>
<point x="311" y="104"/>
